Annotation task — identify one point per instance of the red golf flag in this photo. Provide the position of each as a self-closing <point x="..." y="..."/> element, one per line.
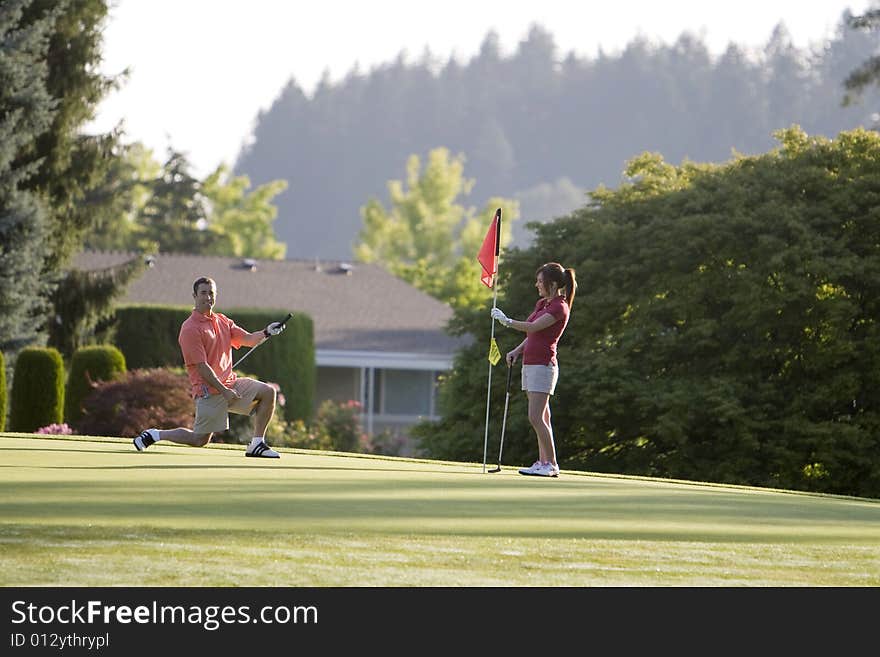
<point x="488" y="256"/>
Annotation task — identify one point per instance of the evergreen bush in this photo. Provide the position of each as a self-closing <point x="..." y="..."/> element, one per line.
<point x="37" y="389"/>
<point x="88" y="366"/>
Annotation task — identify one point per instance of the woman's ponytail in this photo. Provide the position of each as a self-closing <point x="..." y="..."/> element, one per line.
<point x="570" y="286"/>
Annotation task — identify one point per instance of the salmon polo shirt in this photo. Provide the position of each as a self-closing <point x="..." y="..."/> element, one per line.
<point x="209" y="339"/>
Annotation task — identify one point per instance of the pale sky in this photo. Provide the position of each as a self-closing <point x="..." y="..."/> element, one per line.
<point x="201" y="70"/>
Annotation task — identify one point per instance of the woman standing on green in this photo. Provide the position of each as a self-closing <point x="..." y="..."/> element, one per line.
<point x="540" y="371"/>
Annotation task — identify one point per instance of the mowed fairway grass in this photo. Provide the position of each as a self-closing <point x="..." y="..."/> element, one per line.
<point x="84" y="511"/>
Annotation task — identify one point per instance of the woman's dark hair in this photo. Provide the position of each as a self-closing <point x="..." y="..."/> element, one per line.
<point x="564" y="278"/>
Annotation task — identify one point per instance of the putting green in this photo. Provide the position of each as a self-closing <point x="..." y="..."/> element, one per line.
<point x="82" y="511"/>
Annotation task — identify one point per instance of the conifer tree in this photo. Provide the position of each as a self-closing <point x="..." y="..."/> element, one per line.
<point x="50" y="172"/>
<point x="84" y="299"/>
<point x="26" y="112"/>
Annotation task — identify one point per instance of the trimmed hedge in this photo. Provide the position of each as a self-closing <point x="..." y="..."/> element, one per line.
<point x="37" y="389"/>
<point x="89" y="365"/>
<point x="2" y="392"/>
<point x="147" y="337"/>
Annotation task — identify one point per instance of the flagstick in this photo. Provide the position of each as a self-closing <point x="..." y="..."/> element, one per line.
<point x="481" y="257"/>
<point x="489" y="387"/>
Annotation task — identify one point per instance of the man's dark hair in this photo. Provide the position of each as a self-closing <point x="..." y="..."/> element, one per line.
<point x="201" y="281"/>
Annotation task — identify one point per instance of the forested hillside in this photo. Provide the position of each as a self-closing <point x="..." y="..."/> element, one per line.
<point x="539" y="125"/>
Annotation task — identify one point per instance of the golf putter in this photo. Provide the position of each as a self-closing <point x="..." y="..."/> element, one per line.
<point x="252" y="349"/>
<point x="504" y="420"/>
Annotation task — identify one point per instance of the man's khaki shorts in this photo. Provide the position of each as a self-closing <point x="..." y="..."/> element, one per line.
<point x="212" y="414"/>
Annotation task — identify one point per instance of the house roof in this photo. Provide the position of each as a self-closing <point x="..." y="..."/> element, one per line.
<point x="354" y="307"/>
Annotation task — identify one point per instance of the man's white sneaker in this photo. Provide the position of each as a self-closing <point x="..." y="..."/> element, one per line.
<point x="262" y="450"/>
<point x="144" y="440"/>
<point x="532" y="469"/>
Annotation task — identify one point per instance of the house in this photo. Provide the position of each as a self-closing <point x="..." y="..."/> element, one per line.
<point x="378" y="340"/>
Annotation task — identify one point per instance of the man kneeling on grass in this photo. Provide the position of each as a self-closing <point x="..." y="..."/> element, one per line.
<point x="206" y="340"/>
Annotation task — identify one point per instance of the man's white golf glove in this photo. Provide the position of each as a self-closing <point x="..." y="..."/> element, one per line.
<point x="273" y="329"/>
<point x="501" y="317"/>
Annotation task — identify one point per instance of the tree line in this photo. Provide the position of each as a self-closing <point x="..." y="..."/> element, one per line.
<point x="539" y="126"/>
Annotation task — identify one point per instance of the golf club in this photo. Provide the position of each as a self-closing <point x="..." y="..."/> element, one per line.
<point x="504" y="420"/>
<point x="283" y="322"/>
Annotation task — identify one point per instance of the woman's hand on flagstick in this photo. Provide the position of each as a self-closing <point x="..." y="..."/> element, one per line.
<point x="498" y="314"/>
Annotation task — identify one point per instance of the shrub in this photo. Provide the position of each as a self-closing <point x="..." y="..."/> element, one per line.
<point x="88" y="366"/>
<point x="137" y="400"/>
<point x="296" y="433"/>
<point x="56" y="429"/>
<point x="341" y="422"/>
<point x="388" y="443"/>
<point x="337" y="427"/>
<point x="37" y="389"/>
<point x="2" y="392"/>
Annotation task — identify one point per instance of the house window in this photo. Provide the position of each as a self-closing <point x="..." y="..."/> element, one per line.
<point x="403" y="392"/>
<point x="337" y="383"/>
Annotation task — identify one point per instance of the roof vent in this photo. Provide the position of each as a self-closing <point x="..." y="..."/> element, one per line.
<point x="345" y="268"/>
<point x="249" y="263"/>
